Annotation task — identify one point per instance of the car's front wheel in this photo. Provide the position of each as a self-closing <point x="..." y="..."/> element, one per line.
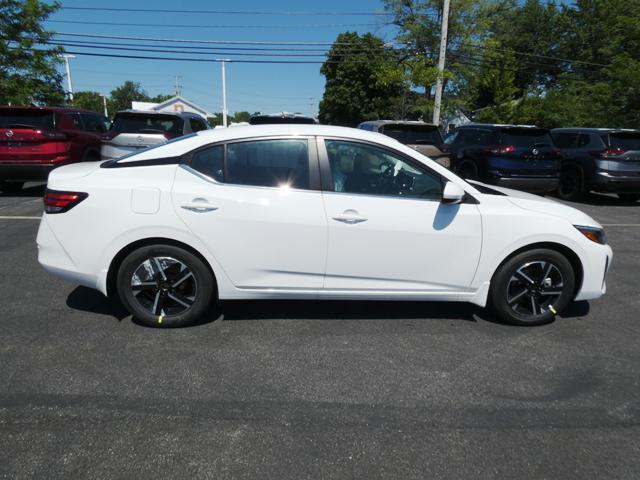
<point x="532" y="287"/>
<point x="165" y="286"/>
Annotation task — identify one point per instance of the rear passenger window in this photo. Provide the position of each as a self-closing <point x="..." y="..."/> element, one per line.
<point x="564" y="140"/>
<point x="93" y="123"/>
<point x="269" y="163"/>
<point x="263" y="163"/>
<point x="210" y="162"/>
<point x="75" y="120"/>
<point x="583" y="140"/>
<point x="196" y="125"/>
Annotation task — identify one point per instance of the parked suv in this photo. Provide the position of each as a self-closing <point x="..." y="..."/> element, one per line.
<point x="599" y="160"/>
<point x="282" y="118"/>
<point x="515" y="156"/>
<point x="35" y="140"/>
<point x="134" y="130"/>
<point x="423" y="137"/>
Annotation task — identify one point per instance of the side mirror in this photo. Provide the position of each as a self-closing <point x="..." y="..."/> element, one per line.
<point x="452" y="193"/>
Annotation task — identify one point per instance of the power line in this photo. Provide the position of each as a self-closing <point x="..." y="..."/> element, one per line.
<point x="233" y="12"/>
<point x="205" y="50"/>
<point x="182" y="40"/>
<point x="177" y="25"/>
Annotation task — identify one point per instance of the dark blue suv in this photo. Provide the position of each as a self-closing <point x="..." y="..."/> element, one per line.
<point x="599" y="160"/>
<point x="515" y="156"/>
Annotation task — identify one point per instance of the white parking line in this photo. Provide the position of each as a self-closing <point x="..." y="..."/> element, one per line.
<point x="18" y="217"/>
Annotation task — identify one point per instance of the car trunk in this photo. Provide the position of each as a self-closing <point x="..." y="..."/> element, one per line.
<point x="132" y="132"/>
<point x="527" y="152"/>
<point x="29" y="136"/>
<point x="623" y="154"/>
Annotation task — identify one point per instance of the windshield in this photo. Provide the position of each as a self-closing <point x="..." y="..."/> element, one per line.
<point x="26" y="118"/>
<point x="625" y="141"/>
<point x="413" y="134"/>
<point x="136" y="123"/>
<point x="526" y="137"/>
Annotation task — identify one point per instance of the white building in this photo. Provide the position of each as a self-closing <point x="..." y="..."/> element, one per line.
<point x="175" y="104"/>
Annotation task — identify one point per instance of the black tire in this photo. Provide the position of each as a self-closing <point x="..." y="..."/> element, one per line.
<point x="532" y="307"/>
<point x="629" y="197"/>
<point x="164" y="298"/>
<point x="467" y="170"/>
<point x="570" y="187"/>
<point x="11" y="187"/>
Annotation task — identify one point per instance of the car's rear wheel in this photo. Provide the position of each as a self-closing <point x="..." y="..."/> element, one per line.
<point x="532" y="287"/>
<point x="570" y="187"/>
<point x="11" y="187"/>
<point x="165" y="286"/>
<point x="629" y="197"/>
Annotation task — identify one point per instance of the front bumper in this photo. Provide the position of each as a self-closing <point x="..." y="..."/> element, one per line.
<point x="610" y="182"/>
<point x="596" y="265"/>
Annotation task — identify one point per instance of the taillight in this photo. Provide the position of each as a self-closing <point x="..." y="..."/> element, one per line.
<point x="60" y="202"/>
<point x="169" y="135"/>
<point x="500" y="150"/>
<point x="609" y="152"/>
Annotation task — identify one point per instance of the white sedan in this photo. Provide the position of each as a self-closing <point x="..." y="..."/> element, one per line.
<point x="310" y="212"/>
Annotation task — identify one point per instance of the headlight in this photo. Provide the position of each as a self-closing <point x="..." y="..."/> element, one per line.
<point x="592" y="233"/>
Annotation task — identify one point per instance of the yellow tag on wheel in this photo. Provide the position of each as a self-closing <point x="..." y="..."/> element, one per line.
<point x="160" y="317"/>
<point x="552" y="310"/>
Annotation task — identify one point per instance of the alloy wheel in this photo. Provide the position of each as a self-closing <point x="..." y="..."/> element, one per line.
<point x="534" y="288"/>
<point x="164" y="286"/>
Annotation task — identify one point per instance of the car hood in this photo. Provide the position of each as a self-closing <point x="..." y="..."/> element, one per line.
<point x="536" y="203"/>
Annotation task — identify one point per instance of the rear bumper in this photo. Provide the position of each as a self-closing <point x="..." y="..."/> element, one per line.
<point x="55" y="259"/>
<point x="529" y="184"/>
<point x="24" y="172"/>
<point x="606" y="182"/>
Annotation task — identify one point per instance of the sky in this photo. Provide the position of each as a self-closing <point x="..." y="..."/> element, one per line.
<point x="267" y="88"/>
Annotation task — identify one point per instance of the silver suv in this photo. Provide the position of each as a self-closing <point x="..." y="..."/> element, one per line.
<point x="133" y="130"/>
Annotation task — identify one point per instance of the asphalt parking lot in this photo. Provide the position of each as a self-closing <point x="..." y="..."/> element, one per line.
<point x="315" y="390"/>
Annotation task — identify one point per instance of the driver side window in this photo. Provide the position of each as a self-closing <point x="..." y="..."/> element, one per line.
<point x="359" y="168"/>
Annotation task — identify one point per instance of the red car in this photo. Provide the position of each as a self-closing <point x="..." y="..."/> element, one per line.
<point x="35" y="140"/>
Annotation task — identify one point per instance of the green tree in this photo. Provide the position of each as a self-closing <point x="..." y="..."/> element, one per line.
<point x="418" y="23"/>
<point x="241" y="117"/>
<point x="163" y="97"/>
<point x="356" y="87"/>
<point x="128" y="92"/>
<point x="28" y="71"/>
<point x="89" y="100"/>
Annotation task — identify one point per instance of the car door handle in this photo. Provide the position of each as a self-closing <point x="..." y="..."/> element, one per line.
<point x="350" y="217"/>
<point x="199" y="206"/>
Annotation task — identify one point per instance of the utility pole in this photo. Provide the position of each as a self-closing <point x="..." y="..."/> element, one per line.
<point x="441" y="59"/>
<point x="104" y="101"/>
<point x="177" y="85"/>
<point x="69" y="84"/>
<point x="224" y="94"/>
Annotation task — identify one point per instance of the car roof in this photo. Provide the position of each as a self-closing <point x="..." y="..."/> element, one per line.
<point x="594" y="130"/>
<point x="155" y="112"/>
<point x="248" y="131"/>
<point x="52" y="109"/>
<point x="397" y="122"/>
<point x="499" y="125"/>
